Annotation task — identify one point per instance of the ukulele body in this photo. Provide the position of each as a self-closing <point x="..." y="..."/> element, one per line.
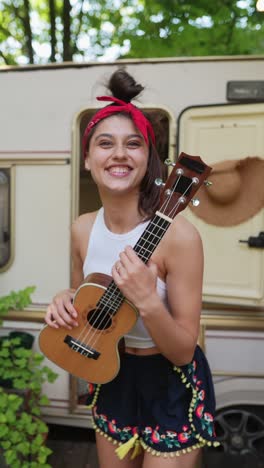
<point x="90" y="351"/>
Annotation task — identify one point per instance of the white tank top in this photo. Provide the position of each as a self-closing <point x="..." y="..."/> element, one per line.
<point x="102" y="252"/>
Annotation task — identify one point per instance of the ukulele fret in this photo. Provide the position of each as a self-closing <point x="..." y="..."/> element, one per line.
<point x="105" y="301"/>
<point x="112" y="298"/>
<point x="151" y="237"/>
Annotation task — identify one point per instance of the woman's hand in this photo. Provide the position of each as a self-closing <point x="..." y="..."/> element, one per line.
<point x="61" y="313"/>
<point x="136" y="280"/>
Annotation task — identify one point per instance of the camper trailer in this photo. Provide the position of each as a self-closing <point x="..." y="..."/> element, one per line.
<point x="210" y="106"/>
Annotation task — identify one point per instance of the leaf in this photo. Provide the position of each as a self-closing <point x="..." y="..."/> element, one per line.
<point x="4" y="353"/>
<point x="10" y="416"/>
<point x="6" y="444"/>
<point x="10" y="456"/>
<point x="44" y="401"/>
<point x="3" y="431"/>
<point x="24" y="448"/>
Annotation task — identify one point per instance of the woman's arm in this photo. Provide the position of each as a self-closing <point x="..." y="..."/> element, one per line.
<point x="61" y="313"/>
<point x="174" y="333"/>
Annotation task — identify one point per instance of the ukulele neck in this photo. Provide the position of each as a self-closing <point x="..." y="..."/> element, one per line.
<point x="144" y="248"/>
<point x="152" y="236"/>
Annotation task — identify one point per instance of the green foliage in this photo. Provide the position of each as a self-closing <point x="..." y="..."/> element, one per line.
<point x="195" y="28"/>
<point x="23" y="367"/>
<point x="22" y="435"/>
<point x="85" y="30"/>
<point x="16" y="300"/>
<point x="22" y="374"/>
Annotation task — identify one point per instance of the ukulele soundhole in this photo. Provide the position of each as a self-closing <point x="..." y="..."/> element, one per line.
<point x="101" y="320"/>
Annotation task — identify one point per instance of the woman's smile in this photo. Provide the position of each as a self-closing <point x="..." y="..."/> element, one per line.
<point x="119" y="171"/>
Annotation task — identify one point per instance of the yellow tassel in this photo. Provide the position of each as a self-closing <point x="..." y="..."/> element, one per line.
<point x="123" y="450"/>
<point x="137" y="450"/>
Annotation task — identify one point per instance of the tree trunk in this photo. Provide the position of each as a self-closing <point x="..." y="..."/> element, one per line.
<point x="66" y="21"/>
<point x="53" y="42"/>
<point x="28" y="31"/>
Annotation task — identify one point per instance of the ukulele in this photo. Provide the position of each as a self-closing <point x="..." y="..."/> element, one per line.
<point x="91" y="350"/>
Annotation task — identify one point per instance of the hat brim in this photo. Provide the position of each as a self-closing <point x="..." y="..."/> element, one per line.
<point x="248" y="202"/>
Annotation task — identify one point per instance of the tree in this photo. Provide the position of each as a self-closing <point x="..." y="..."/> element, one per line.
<point x="199" y="27"/>
<point x="33" y="31"/>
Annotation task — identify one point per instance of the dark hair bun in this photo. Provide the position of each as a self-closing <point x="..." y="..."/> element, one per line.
<point x="123" y="86"/>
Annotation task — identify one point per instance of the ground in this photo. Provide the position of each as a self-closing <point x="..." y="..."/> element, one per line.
<point x="75" y="447"/>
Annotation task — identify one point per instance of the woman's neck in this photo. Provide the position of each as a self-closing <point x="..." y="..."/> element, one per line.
<point x="121" y="216"/>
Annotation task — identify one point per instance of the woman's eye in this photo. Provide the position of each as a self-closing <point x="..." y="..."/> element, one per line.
<point x="134" y="144"/>
<point x="105" y="143"/>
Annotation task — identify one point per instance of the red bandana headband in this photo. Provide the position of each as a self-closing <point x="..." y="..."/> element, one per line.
<point x="140" y="121"/>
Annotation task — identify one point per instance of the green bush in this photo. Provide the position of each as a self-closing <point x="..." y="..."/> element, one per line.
<point x="22" y="431"/>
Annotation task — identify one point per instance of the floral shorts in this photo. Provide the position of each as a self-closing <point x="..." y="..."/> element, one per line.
<point x="165" y="409"/>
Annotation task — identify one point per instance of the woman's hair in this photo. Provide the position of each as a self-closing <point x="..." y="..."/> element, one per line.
<point x="123" y="86"/>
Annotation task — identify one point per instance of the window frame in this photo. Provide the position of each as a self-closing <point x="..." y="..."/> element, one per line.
<point x="11" y="170"/>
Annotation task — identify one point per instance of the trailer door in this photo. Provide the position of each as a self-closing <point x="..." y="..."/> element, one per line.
<point x="234" y="271"/>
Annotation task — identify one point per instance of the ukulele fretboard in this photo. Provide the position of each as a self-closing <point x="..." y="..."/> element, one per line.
<point x="113" y="298"/>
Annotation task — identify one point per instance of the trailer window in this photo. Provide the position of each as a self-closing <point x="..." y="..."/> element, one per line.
<point x="162" y="119"/>
<point x="5" y="216"/>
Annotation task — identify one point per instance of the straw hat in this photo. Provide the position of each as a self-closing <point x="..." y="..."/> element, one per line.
<point x="236" y="195"/>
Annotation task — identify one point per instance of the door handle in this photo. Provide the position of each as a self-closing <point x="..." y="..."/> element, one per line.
<point x="255" y="241"/>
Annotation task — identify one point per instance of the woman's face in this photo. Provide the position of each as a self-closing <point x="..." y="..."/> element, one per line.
<point x="117" y="156"/>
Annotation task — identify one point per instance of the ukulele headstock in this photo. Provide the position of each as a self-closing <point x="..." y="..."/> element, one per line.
<point x="186" y="177"/>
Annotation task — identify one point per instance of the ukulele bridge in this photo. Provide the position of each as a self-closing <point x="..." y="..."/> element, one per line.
<point x="81" y="348"/>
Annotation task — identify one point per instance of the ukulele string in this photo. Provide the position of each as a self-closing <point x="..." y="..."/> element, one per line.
<point x="92" y="332"/>
<point x="102" y="314"/>
<point x="173" y="211"/>
<point x="166" y="203"/>
<point x="161" y="227"/>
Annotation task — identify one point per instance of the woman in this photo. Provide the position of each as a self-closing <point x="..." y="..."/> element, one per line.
<point x="162" y="400"/>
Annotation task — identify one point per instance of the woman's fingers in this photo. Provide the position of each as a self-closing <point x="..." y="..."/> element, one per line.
<point x="49" y="317"/>
<point x="61" y="312"/>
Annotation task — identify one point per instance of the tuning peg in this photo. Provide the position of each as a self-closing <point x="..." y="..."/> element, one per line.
<point x="182" y="199"/>
<point x="159" y="182"/>
<point x="195" y="202"/>
<point x="169" y="162"/>
<point x="208" y="183"/>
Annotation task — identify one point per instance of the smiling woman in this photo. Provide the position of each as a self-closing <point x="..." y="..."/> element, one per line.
<point x="159" y="400"/>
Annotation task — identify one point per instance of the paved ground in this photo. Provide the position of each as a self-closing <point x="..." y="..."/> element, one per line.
<point x="75" y="448"/>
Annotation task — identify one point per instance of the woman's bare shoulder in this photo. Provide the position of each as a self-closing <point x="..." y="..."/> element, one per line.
<point x="83" y="223"/>
<point x="80" y="233"/>
<point x="183" y="232"/>
<point x="183" y="249"/>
